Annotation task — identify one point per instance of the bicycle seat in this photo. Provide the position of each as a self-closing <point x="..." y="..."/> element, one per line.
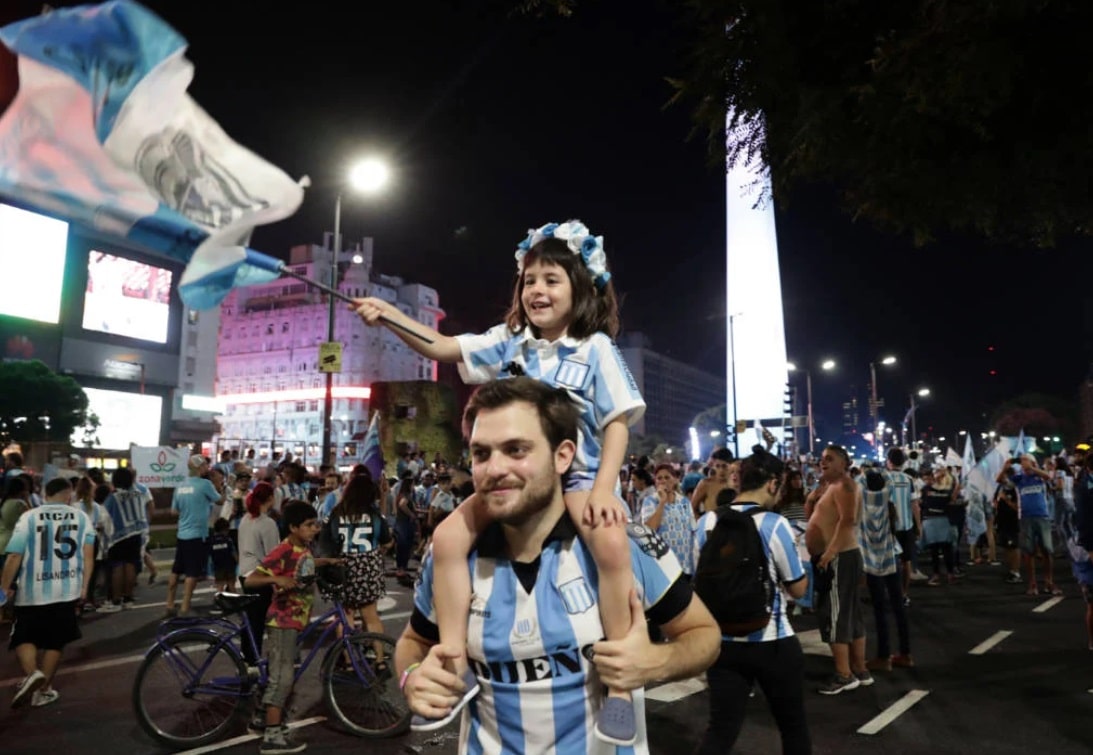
<point x="230" y="602"/>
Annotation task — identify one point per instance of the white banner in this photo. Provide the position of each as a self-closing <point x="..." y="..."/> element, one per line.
<point x="160" y="466"/>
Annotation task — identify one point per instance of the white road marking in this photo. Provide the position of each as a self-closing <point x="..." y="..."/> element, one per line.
<point x="990" y="642"/>
<point x="1048" y="604"/>
<point x="668" y="693"/>
<point x="242" y="738"/>
<point x="893" y="711"/>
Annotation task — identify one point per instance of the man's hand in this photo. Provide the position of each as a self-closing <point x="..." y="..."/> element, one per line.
<point x="631" y="662"/>
<point x="605" y="510"/>
<point x="430" y="690"/>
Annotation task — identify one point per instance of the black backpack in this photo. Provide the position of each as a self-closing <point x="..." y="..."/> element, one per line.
<point x="732" y="576"/>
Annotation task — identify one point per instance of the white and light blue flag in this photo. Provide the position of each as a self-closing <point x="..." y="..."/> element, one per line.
<point x="102" y="133"/>
<point x="372" y="455"/>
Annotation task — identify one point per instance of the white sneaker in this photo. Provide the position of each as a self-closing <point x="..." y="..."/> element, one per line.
<point x="110" y="608"/>
<point x="45" y="697"/>
<point x="29" y="685"/>
<point x="917" y="576"/>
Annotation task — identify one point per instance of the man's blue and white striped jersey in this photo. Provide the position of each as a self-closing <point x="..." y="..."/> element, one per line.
<point x="592" y="370"/>
<point x="529" y="650"/>
<point x="879" y="547"/>
<point x="783" y="562"/>
<point x="51" y="539"/>
<point x="128" y="511"/>
<point x="901" y="491"/>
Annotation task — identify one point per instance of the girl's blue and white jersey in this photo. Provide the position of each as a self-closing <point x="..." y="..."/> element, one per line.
<point x="128" y="510"/>
<point x="592" y="370"/>
<point x="357" y="537"/>
<point x="51" y="539"/>
<point x="530" y="650"/>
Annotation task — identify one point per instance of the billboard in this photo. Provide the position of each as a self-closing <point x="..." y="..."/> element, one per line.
<point x="126" y="298"/>
<point x="126" y="418"/>
<point x="32" y="256"/>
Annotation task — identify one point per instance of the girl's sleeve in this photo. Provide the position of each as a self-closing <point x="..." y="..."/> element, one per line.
<point x="615" y="392"/>
<point x="483" y="354"/>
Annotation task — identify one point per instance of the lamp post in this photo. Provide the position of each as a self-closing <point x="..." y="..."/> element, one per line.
<point x="914" y="430"/>
<point x="827" y="364"/>
<point x="874" y="403"/>
<point x="732" y="358"/>
<point x="368" y="176"/>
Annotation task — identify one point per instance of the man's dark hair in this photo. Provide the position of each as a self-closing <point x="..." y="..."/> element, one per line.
<point x="759" y="469"/>
<point x="896" y="457"/>
<point x="874" y="481"/>
<point x="122" y="478"/>
<point x="296" y="512"/>
<point x="557" y="412"/>
<point x="841" y="452"/>
<point x="723" y="454"/>
<point x="642" y="474"/>
<point x="56" y="485"/>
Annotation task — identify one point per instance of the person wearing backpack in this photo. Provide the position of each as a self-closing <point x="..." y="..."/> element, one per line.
<point x="744" y="553"/>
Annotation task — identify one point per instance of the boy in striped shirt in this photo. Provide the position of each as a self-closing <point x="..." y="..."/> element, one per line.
<point x="51" y="550"/>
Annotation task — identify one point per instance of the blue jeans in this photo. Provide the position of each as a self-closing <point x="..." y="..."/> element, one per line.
<point x="404" y="542"/>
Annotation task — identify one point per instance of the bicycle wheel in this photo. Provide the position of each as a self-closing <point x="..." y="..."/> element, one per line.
<point x="189" y="689"/>
<point x="366" y="700"/>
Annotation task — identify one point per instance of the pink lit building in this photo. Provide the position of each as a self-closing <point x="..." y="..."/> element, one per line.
<point x="267" y="360"/>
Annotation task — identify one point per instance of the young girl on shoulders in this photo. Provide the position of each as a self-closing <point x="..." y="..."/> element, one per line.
<point x="559" y="329"/>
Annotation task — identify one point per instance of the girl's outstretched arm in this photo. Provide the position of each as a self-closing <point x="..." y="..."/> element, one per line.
<point x="375" y="311"/>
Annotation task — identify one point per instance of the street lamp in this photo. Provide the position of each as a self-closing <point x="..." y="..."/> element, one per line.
<point x="365" y="177"/>
<point x="923" y="392"/>
<point x="874" y="403"/>
<point x="827" y="364"/>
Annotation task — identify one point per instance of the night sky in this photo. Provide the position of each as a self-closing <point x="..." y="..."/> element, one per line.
<point x="495" y="122"/>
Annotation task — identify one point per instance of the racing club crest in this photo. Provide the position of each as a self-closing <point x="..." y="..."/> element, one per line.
<point x="647" y="540"/>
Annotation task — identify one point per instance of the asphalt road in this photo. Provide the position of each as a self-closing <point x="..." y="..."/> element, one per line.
<point x="997" y="672"/>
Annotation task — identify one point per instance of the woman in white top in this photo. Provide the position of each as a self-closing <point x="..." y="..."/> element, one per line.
<point x="258" y="535"/>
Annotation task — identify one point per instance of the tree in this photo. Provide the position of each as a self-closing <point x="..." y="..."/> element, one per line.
<point x="923" y="115"/>
<point x="1037" y="415"/>
<point x="36" y="404"/>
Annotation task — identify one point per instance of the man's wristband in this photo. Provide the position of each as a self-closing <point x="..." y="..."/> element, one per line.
<point x="406" y="674"/>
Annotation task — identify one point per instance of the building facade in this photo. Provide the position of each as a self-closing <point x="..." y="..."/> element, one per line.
<point x="267" y="367"/>
<point x="674" y="392"/>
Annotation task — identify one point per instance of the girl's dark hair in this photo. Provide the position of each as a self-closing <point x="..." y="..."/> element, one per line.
<point x="643" y="475"/>
<point x="594" y="310"/>
<point x="102" y="492"/>
<point x="358" y="499"/>
<point x="759" y="468"/>
<point x="16" y="487"/>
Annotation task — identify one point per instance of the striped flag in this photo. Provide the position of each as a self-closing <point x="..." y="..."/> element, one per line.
<point x="102" y="133"/>
<point x="372" y="455"/>
<point x="969" y="457"/>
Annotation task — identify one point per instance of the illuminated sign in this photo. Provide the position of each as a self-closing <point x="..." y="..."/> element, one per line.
<point x="300" y="394"/>
<point x="32" y="256"/>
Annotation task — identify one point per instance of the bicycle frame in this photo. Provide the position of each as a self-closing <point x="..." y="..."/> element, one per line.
<point x="228" y="634"/>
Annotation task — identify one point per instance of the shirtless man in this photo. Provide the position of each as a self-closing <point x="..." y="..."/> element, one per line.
<point x="705" y="495"/>
<point x="834" y="514"/>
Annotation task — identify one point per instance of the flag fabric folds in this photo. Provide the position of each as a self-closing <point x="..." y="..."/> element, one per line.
<point x="969" y="458"/>
<point x="102" y="133"/>
<point x="372" y="455"/>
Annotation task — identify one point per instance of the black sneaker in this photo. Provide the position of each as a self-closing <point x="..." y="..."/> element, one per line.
<point x="839" y="684"/>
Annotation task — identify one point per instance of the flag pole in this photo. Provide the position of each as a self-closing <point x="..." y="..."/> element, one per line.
<point x="330" y="291"/>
